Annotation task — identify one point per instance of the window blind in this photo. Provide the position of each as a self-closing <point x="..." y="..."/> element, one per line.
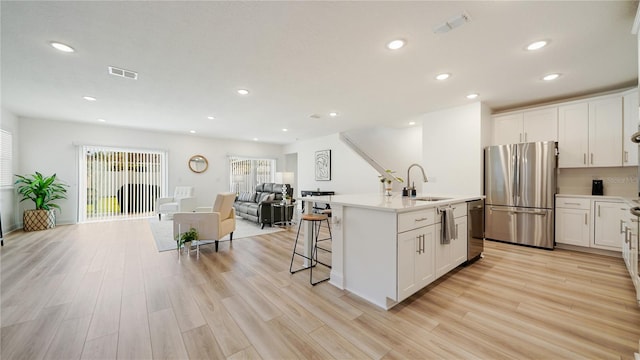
<point x="247" y="173"/>
<point x="120" y="182"/>
<point x="6" y="159"/>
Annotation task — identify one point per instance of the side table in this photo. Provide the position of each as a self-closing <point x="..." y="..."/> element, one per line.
<point x="284" y="210"/>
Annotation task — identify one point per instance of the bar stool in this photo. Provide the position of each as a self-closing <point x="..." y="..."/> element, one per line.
<point x="316" y="220"/>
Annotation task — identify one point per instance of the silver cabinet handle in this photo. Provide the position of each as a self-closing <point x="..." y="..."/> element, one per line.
<point x="584" y="158"/>
<point x="421" y="219"/>
<point x="591" y="158"/>
<point x="525" y="137"/>
<point x="626" y="156"/>
<point x="585" y="218"/>
<point x="423" y="237"/>
<point x="621" y="226"/>
<point x="456" y="231"/>
<point x="577" y="204"/>
<point x="598" y="210"/>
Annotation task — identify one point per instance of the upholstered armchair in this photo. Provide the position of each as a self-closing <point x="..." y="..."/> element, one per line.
<point x="181" y="201"/>
<point x="212" y="225"/>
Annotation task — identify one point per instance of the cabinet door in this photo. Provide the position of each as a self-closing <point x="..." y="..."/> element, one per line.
<point x="459" y="245"/>
<point x="443" y="253"/>
<point x="424" y="264"/>
<point x="408" y="248"/>
<point x="572" y="227"/>
<point x="608" y="230"/>
<point x="630" y="123"/>
<point x="540" y="125"/>
<point x="573" y="135"/>
<point x="605" y="132"/>
<point x="507" y="129"/>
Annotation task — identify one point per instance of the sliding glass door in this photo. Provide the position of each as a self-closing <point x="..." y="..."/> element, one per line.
<point x="116" y="183"/>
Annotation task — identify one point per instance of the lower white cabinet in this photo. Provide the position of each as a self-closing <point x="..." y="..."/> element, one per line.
<point x="609" y="217"/>
<point x="416" y="267"/>
<point x="590" y="222"/>
<point x="448" y="256"/>
<point x="573" y="222"/>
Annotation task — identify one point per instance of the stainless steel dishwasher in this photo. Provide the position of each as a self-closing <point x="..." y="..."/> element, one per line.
<point x="475" y="225"/>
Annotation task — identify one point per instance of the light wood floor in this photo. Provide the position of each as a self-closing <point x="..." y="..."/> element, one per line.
<point x="103" y="291"/>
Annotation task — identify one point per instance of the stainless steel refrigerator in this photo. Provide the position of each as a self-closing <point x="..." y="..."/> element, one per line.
<point x="520" y="185"/>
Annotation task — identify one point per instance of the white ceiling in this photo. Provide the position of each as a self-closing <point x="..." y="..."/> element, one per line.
<point x="300" y="59"/>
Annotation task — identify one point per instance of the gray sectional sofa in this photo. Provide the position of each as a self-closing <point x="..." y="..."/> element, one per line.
<point x="256" y="206"/>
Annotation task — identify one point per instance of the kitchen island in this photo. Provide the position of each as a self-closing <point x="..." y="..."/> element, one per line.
<point x="386" y="248"/>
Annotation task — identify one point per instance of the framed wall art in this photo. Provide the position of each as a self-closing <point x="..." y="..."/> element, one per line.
<point x="323" y="165"/>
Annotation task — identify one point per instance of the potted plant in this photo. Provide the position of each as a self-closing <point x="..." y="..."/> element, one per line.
<point x="186" y="238"/>
<point x="43" y="191"/>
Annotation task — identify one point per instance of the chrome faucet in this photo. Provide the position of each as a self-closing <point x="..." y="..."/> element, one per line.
<point x="424" y="176"/>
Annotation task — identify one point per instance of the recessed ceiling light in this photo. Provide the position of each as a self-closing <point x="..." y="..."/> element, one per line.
<point x="285" y="130"/>
<point x="537" y="45"/>
<point x="255" y="139"/>
<point x="192" y="131"/>
<point x="243" y="92"/>
<point x="396" y="44"/>
<point x="443" y="76"/>
<point x="333" y="114"/>
<point x="62" y="47"/>
<point x="102" y="120"/>
<point x="89" y="98"/>
<point x="472" y="96"/>
<point x="210" y="117"/>
<point x="550" y="77"/>
<point x="412" y="123"/>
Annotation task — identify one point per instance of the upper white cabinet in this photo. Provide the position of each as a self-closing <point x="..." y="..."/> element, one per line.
<point x="590" y="133"/>
<point x="526" y="126"/>
<point x="630" y="123"/>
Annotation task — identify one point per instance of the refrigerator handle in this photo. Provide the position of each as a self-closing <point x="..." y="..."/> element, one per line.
<point x="516" y="185"/>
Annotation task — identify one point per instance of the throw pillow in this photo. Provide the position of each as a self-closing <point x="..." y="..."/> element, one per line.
<point x="244" y="196"/>
<point x="265" y="196"/>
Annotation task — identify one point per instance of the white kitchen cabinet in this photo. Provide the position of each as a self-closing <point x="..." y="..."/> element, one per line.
<point x="573" y="219"/>
<point x="448" y="256"/>
<point x="605" y="129"/>
<point x="416" y="256"/>
<point x="526" y="126"/>
<point x="630" y="123"/>
<point x="608" y="224"/>
<point x="573" y="135"/>
<point x="590" y="133"/>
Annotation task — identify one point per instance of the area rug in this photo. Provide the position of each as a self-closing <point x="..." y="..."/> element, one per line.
<point x="163" y="232"/>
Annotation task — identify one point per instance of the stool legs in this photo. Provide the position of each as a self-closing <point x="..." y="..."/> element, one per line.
<point x="313" y="260"/>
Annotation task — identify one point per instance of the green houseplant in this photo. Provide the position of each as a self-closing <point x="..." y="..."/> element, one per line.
<point x="43" y="191"/>
<point x="186" y="238"/>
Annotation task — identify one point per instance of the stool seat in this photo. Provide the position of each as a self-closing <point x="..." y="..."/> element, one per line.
<point x="314" y="217"/>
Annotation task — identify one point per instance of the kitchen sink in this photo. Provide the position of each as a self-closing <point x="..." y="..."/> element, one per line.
<point x="431" y="198"/>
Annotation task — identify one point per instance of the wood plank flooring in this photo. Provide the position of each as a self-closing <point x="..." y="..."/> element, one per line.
<point x="103" y="291"/>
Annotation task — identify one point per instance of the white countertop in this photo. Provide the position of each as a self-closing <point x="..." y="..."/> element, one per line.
<point x="395" y="203"/>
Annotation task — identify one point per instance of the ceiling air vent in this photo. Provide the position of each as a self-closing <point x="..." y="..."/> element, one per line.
<point x="123" y="73"/>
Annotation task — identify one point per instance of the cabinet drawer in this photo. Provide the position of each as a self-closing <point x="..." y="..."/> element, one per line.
<point x="573" y="203"/>
<point x="415" y="219"/>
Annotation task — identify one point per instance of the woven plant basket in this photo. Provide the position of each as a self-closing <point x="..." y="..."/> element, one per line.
<point x="35" y="220"/>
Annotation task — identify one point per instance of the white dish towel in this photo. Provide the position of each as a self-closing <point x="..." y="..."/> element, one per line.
<point x="448" y="226"/>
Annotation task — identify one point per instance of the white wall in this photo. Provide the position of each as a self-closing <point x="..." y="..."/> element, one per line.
<point x="50" y="147"/>
<point x="8" y="202"/>
<point x="394" y="149"/>
<point x="453" y="142"/>
<point x="349" y="172"/>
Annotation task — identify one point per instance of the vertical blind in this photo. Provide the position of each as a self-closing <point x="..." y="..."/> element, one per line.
<point x="6" y="159"/>
<point x="246" y="173"/>
<point x="119" y="183"/>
